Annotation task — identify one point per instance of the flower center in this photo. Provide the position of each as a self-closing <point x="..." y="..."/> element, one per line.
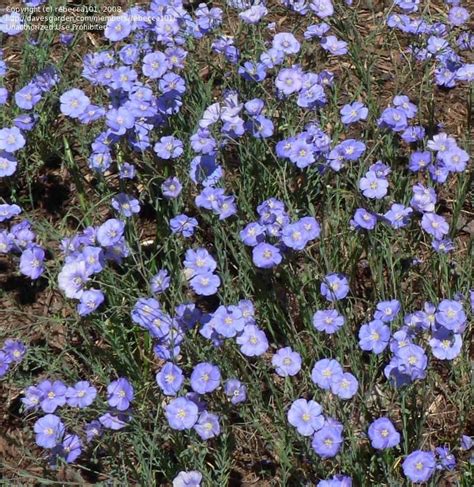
<point x="374" y="336"/>
<point x="327" y="372"/>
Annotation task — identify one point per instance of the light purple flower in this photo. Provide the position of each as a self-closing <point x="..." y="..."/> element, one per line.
<point x="8" y="164"/>
<point x="398" y="215"/>
<point x="192" y="478"/>
<point x="374" y="336"/>
<point x="353" y="112"/>
<point x="286" y="362"/>
<point x="90" y="300"/>
<point x="81" y="395"/>
<point x="118" y="28"/>
<point x="32" y="261"/>
<point x="373" y="186"/>
<point x="328" y="320"/>
<point x="205" y="284"/>
<point x="33" y="395"/>
<point x="335" y="286"/>
<point x="74" y="103"/>
<point x="113" y="422"/>
<point x="344" y="386"/>
<point x="235" y="391"/>
<point x="170" y="379"/>
<point x="53" y="395"/>
<point x="387" y="311"/>
<point x="207" y="425"/>
<point x="383" y="434"/>
<point x="11" y="140"/>
<point x="168" y="147"/>
<point x="70" y="448"/>
<point x="92" y="429"/>
<point x="450" y="314"/>
<point x="419" y="466"/>
<point x="125" y="204"/>
<point x="266" y="255"/>
<point x="119" y="394"/>
<point x="72" y="278"/>
<point x="306" y="416"/>
<point x="286" y="42"/>
<point x="181" y="413"/>
<point x="289" y="80"/>
<point x="334" y="46"/>
<point x="252" y="341"/>
<point x="435" y="225"/>
<point x="15" y="349"/>
<point x="49" y="430"/>
<point x="171" y="188"/>
<point x="327" y="441"/>
<point x="325" y="371"/>
<point x="205" y="378"/>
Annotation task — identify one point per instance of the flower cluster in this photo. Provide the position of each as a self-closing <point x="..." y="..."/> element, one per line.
<point x="274" y="223"/>
<point x="329" y="375"/>
<point x="86" y="255"/>
<point x="307" y="418"/>
<point x="50" y="430"/>
<point x="20" y="238"/>
<point x="236" y="321"/>
<point x="151" y="142"/>
<point x="199" y="267"/>
<point x="433" y="41"/>
<point x="190" y="411"/>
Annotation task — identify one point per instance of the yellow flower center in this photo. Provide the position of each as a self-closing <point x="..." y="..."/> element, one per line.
<point x="327" y="372"/>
